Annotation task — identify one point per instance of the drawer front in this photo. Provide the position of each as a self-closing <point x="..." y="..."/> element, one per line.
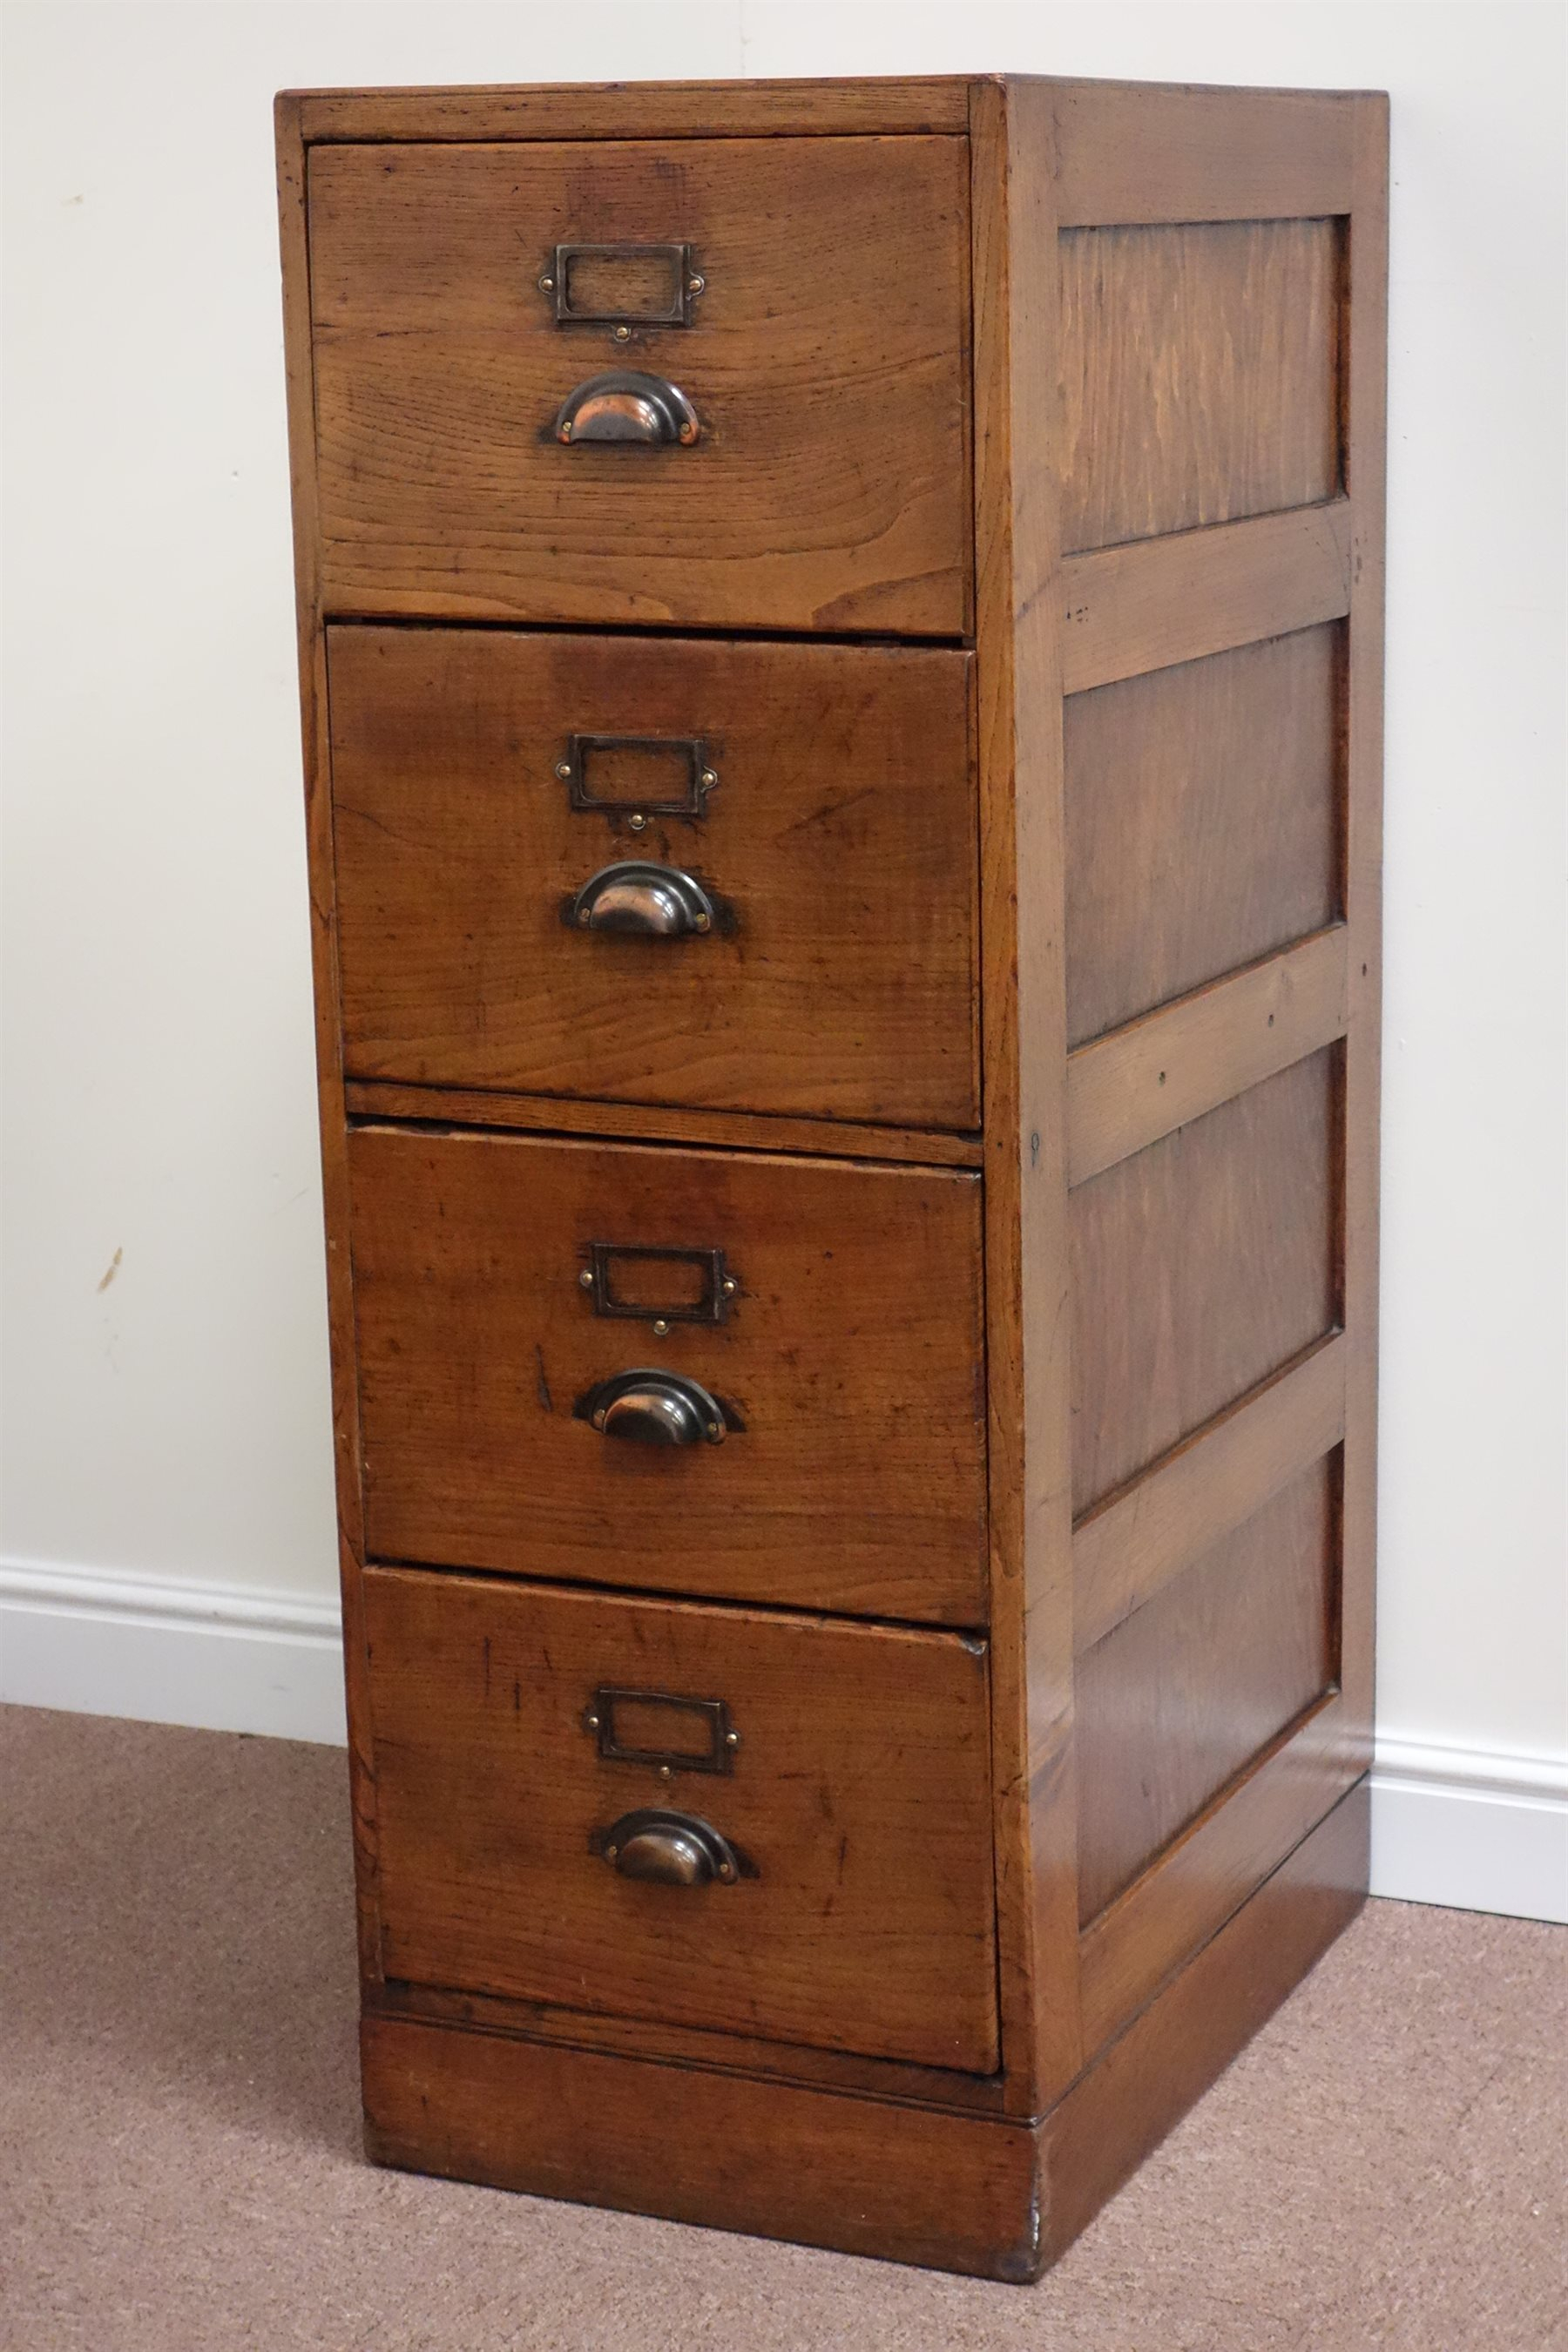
<point x="845" y="1370"/>
<point x="824" y="362"/>
<point x="831" y="1781"/>
<point x="834" y="855"/>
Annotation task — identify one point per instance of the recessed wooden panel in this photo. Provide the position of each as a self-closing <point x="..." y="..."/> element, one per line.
<point x="848" y="1364"/>
<point x="1199" y="1267"/>
<point x="825" y="361"/>
<point x="1184" y="1691"/>
<point x="838" y="844"/>
<point x="1201" y="371"/>
<point x="1202" y="823"/>
<point x="857" y="1795"/>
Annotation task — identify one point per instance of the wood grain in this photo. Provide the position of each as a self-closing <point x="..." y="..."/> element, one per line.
<point x="1019" y="662"/>
<point x="1157" y="1349"/>
<point x="1157" y="602"/>
<point x="1128" y="1089"/>
<point x="1166" y="2060"/>
<point x="1203" y="822"/>
<point x="1200" y="1266"/>
<point x="1136" y="1540"/>
<point x="773" y="2159"/>
<point x="1187" y="1896"/>
<point x="856" y="1482"/>
<point x="1201" y="376"/>
<point x="662" y="1123"/>
<point x="993" y="2199"/>
<point x="827" y="362"/>
<point x="639" y="110"/>
<point x="859" y="1795"/>
<point x="839" y="842"/>
<point x="1182" y="1694"/>
<point x="1134" y="152"/>
<point x="893" y="2080"/>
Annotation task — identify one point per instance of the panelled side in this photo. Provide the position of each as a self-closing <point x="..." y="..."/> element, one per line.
<point x="1220" y="881"/>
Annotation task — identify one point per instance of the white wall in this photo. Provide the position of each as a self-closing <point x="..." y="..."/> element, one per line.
<point x="167" y="1530"/>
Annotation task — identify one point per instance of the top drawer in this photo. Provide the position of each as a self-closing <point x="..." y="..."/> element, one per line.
<point x="825" y="359"/>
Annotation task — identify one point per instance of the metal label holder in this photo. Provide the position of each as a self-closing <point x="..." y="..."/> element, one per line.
<point x="722" y="1737"/>
<point x="684" y="285"/>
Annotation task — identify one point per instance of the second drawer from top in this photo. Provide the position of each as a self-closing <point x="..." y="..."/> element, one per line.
<point x="721" y="875"/>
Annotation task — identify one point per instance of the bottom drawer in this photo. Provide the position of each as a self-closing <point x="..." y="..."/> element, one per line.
<point x="825" y="1875"/>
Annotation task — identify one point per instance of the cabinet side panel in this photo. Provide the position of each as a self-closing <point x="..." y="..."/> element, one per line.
<point x="1200" y="369"/>
<point x="1223" y="339"/>
<point x="1203" y="822"/>
<point x="1201" y="1266"/>
<point x="1184" y="1691"/>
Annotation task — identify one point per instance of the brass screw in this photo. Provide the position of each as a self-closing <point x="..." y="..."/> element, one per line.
<point x="731" y="1285"/>
<point x="700" y="922"/>
<point x="612" y="1854"/>
<point x="599" y="1418"/>
<point x="564" y="432"/>
<point x="586" y="1277"/>
<point x="636" y="823"/>
<point x="547" y="284"/>
<point x="726" y="1870"/>
<point x="590" y="1723"/>
<point x="665" y="1773"/>
<point x="623" y="334"/>
<point x="715" y="1430"/>
<point x="586" y="918"/>
<point x="731" y="1740"/>
<point x="660" y="1327"/>
<point x="696" y="285"/>
<point x="687" y="434"/>
<point x="564" y="770"/>
<point x="710" y="777"/>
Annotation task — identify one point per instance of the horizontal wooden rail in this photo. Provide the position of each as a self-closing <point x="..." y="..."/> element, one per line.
<point x="732" y="1130"/>
<point x="1188" y="1892"/>
<point x="1155" y="601"/>
<point x="1135" y="156"/>
<point x="1139" y="1082"/>
<point x="1131" y="1545"/>
<point x="691" y="110"/>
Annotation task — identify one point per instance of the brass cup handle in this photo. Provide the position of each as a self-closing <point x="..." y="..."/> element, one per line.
<point x="624" y="405"/>
<point x="654" y="902"/>
<point x="650" y="1408"/>
<point x="667" y="1850"/>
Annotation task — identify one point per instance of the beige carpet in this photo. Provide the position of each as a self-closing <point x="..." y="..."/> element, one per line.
<point x="180" y="2168"/>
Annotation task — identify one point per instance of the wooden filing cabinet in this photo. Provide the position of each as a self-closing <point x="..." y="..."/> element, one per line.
<point x="840" y="641"/>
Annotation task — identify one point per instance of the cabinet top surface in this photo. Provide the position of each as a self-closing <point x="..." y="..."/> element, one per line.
<point x="707" y="109"/>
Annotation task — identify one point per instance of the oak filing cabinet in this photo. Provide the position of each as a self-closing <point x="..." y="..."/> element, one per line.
<point x="840" y="638"/>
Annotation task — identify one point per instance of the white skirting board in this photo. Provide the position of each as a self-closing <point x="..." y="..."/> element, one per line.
<point x="1466" y="1828"/>
<point x="208" y="1656"/>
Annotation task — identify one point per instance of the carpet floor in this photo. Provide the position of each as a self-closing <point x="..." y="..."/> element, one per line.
<point x="180" y="2165"/>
